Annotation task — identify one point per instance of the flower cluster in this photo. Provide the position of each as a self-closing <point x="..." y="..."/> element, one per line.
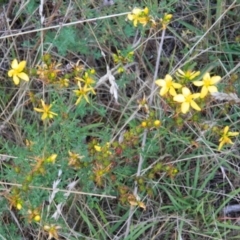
<point x="141" y="17"/>
<point x="49" y="71"/>
<point x="16" y="195"/>
<point x="180" y="91"/>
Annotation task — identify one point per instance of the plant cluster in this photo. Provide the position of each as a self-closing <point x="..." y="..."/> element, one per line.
<point x="71" y="141"/>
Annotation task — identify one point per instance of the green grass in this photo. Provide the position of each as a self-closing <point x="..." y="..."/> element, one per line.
<point x="119" y="173"/>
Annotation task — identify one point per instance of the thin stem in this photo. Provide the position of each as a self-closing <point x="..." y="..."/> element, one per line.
<point x="157" y="66"/>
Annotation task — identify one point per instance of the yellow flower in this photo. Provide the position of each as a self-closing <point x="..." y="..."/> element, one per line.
<point x="143" y="104"/>
<point x="207" y="84"/>
<point x="63" y="82"/>
<point x="225" y="139"/>
<point x="51" y="159"/>
<point x="166" y="20"/>
<point x="98" y="148"/>
<point x="15" y="201"/>
<point x="186" y="98"/>
<point x="45" y="110"/>
<point x="17" y="71"/>
<point x="187" y="75"/>
<point x="157" y="123"/>
<point x="103" y="149"/>
<point x="52" y="231"/>
<point x="74" y="159"/>
<point x="34" y="215"/>
<point x="168" y="85"/>
<point x="139" y="16"/>
<point x="83" y="92"/>
<point x="87" y="79"/>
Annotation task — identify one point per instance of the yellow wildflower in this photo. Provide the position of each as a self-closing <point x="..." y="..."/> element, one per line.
<point x="225" y="139"/>
<point x="166" y="20"/>
<point x="15" y="201"/>
<point x="83" y="92"/>
<point x="17" y="71"/>
<point x="51" y="159"/>
<point x="187" y="75"/>
<point x="186" y="98"/>
<point x="87" y="79"/>
<point x="143" y="104"/>
<point x="139" y="15"/>
<point x="45" y="110"/>
<point x="52" y="231"/>
<point x="74" y="159"/>
<point x="63" y="82"/>
<point x="168" y="85"/>
<point x="34" y="215"/>
<point x="207" y="84"/>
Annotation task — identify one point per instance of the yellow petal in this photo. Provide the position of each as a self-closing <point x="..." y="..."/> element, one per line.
<point x="78" y="101"/>
<point x="176" y="85"/>
<point x="14" y="64"/>
<point x="16" y="80"/>
<point x="225" y="130"/>
<point x="195" y="106"/>
<point x="168" y="77"/>
<point x="44" y="116"/>
<point x="220" y="145"/>
<point x="212" y="89"/>
<point x="146" y="10"/>
<point x="130" y="17"/>
<point x="195" y="95"/>
<point x="206" y="77"/>
<point x="181" y="72"/>
<point x="19" y="206"/>
<point x="204" y="92"/>
<point x="228" y="140"/>
<point x="195" y="74"/>
<point x="232" y="134"/>
<point x="11" y="72"/>
<point x="43" y="103"/>
<point x="135" y="22"/>
<point x="172" y="91"/>
<point x="136" y="11"/>
<point x="186" y="91"/>
<point x="23" y="76"/>
<point x="185" y="107"/>
<point x="163" y="91"/>
<point x="160" y="82"/>
<point x="21" y="66"/>
<point x="55" y="114"/>
<point x="86" y="98"/>
<point x="179" y="98"/>
<point x="198" y="83"/>
<point x="97" y="148"/>
<point x="215" y="80"/>
<point x="38" y="110"/>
